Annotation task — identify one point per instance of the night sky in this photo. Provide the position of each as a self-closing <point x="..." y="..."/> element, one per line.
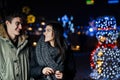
<point x="52" y="9"/>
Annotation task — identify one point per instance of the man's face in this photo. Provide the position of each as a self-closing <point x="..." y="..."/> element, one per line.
<point x="15" y="26"/>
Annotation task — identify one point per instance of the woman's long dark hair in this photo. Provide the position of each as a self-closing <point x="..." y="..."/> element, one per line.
<point x="58" y="33"/>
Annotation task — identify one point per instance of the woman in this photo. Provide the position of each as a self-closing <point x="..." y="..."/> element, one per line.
<point x="50" y="52"/>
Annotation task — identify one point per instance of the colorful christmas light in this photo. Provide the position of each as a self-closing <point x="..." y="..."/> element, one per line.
<point x="105" y="59"/>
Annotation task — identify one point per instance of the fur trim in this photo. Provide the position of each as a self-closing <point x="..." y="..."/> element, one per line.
<point x="2" y="31"/>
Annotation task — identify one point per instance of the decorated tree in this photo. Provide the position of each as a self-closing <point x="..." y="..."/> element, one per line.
<point x="105" y="58"/>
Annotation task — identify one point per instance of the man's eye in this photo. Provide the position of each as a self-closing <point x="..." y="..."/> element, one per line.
<point x="18" y="23"/>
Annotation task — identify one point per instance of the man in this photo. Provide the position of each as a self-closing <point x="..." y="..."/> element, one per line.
<point x="14" y="51"/>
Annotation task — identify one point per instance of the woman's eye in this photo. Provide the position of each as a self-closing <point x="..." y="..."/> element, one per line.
<point x="48" y="30"/>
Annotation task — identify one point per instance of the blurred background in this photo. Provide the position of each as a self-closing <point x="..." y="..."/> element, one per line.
<point x="80" y="9"/>
<point x="77" y="17"/>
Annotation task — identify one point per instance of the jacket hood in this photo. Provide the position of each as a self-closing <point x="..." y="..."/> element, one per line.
<point x="3" y="34"/>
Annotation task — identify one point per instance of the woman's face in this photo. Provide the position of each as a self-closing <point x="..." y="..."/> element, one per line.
<point x="49" y="34"/>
